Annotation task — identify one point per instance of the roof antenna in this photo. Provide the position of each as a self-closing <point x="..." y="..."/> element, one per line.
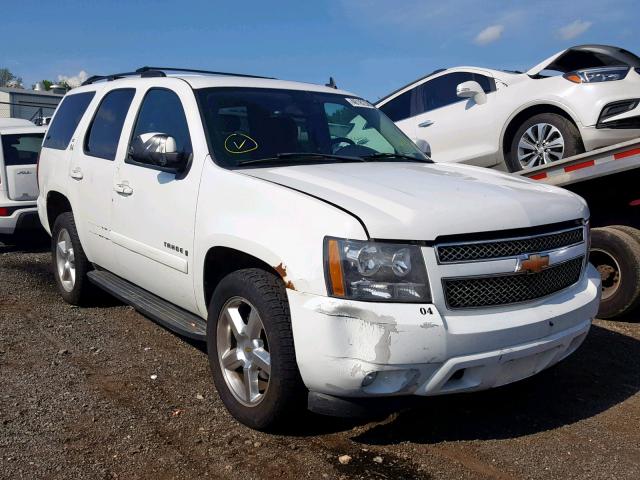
<point x="332" y="83"/>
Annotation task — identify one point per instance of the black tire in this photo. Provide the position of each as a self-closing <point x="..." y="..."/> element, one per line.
<point x="616" y="255"/>
<point x="632" y="232"/>
<point x="572" y="140"/>
<point x="285" y="397"/>
<point x="83" y="291"/>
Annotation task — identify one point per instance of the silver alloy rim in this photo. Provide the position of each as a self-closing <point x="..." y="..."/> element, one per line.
<point x="243" y="351"/>
<point x="65" y="260"/>
<point x="542" y="143"/>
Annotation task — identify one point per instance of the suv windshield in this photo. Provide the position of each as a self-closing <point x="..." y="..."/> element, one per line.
<point x="258" y="127"/>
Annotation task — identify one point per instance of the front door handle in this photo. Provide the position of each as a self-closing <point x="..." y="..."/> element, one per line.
<point x="123" y="189"/>
<point x="76" y="174"/>
<point x="426" y="123"/>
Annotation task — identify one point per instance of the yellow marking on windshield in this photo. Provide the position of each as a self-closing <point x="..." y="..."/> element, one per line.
<point x="237" y="143"/>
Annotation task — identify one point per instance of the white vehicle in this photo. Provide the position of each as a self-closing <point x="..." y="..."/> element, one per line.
<point x="580" y="99"/>
<point x="20" y="142"/>
<point x="325" y="260"/>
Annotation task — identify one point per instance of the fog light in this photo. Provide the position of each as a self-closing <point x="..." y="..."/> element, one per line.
<point x="369" y="378"/>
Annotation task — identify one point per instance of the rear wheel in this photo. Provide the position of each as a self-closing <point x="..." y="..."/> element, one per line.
<point x="70" y="264"/>
<point x="542" y="139"/>
<point x="616" y="256"/>
<point x="251" y="352"/>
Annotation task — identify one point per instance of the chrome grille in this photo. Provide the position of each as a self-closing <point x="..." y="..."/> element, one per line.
<point x="497" y="290"/>
<point x="475" y="251"/>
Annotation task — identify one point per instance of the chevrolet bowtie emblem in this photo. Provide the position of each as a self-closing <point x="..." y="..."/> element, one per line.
<point x="532" y="263"/>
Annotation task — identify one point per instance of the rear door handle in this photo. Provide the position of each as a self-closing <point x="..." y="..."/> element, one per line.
<point x="426" y="123"/>
<point x="76" y="174"/>
<point x="123" y="189"/>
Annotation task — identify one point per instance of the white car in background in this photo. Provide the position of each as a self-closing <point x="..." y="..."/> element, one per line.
<point x="581" y="98"/>
<point x="20" y="142"/>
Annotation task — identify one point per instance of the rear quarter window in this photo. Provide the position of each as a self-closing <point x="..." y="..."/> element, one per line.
<point x="21" y="149"/>
<point x="66" y="120"/>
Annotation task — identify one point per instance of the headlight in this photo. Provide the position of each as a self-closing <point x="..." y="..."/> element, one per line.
<point x="594" y="75"/>
<point x="375" y="271"/>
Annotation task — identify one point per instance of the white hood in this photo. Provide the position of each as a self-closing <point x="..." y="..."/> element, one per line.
<point x="412" y="201"/>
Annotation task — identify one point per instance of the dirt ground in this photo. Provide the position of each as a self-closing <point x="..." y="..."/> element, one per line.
<point x="105" y="393"/>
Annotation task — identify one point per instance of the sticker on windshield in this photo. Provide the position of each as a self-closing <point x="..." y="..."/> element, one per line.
<point x="240" y="143"/>
<point x="359" y="102"/>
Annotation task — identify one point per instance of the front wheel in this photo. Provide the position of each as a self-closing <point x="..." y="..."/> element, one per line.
<point x="542" y="139"/>
<point x="251" y="351"/>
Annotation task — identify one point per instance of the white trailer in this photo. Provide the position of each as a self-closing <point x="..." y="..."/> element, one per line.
<point x="609" y="180"/>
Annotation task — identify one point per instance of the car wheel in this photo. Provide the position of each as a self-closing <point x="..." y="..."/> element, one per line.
<point x="70" y="265"/>
<point x="251" y="351"/>
<point x="542" y="139"/>
<point x="616" y="256"/>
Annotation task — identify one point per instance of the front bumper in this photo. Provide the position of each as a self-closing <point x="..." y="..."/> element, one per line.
<point x="593" y="137"/>
<point x="20" y="220"/>
<point x="417" y="351"/>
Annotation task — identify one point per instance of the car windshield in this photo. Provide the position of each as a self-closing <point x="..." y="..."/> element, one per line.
<point x="258" y="127"/>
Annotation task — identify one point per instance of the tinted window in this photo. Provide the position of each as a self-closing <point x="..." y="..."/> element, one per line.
<point x="66" y="120"/>
<point x="21" y="149"/>
<point x="105" y="129"/>
<point x="162" y="112"/>
<point x="441" y="91"/>
<point x="399" y="108"/>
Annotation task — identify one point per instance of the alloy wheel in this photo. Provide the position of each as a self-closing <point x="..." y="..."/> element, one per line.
<point x="65" y="260"/>
<point x="540" y="144"/>
<point x="243" y="351"/>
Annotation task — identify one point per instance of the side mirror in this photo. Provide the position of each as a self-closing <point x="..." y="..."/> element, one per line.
<point x="160" y="150"/>
<point x="471" y="89"/>
<point x="424" y="147"/>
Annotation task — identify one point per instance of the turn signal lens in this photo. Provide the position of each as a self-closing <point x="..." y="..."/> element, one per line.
<point x="335" y="268"/>
<point x="572" y="77"/>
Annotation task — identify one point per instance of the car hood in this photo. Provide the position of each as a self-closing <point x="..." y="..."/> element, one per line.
<point x="412" y="201"/>
<point x="586" y="56"/>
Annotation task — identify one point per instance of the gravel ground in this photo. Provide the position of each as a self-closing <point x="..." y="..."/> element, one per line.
<point x="105" y="393"/>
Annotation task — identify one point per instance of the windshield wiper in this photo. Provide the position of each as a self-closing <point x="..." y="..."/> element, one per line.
<point x="383" y="156"/>
<point x="279" y="157"/>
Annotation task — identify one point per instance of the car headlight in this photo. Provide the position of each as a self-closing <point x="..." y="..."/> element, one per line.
<point x="375" y="271"/>
<point x="594" y="75"/>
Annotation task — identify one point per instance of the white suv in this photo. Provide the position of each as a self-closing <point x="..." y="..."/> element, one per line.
<point x="20" y="142"/>
<point x="323" y="257"/>
<point x="579" y="99"/>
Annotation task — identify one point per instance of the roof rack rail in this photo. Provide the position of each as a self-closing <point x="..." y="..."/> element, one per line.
<point x="191" y="70"/>
<point x="144" y="74"/>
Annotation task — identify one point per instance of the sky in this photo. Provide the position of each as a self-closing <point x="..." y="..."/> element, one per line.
<point x="370" y="47"/>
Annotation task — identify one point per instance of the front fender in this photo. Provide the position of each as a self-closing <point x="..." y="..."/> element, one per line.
<point x="281" y="227"/>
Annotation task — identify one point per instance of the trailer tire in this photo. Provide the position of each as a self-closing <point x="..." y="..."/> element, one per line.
<point x="616" y="255"/>
<point x="569" y="132"/>
<point x="632" y="232"/>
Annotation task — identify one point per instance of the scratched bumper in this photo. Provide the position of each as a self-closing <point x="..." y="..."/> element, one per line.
<point x="416" y="350"/>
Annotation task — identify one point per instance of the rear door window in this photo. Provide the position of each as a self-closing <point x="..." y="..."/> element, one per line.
<point x="21" y="149"/>
<point x="66" y="120"/>
<point x="104" y="132"/>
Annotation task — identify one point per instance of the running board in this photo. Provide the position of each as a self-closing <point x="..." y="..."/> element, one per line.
<point x="166" y="314"/>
